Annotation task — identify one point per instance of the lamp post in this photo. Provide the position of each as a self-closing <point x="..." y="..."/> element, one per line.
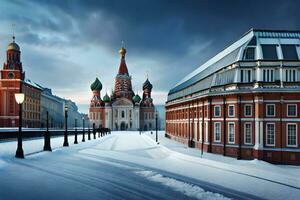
<point x="156" y="118"/>
<point x="83" y="132"/>
<point x="20" y="99"/>
<point x="94" y="130"/>
<point x="47" y="145"/>
<point x="66" y="143"/>
<point x="76" y="142"/>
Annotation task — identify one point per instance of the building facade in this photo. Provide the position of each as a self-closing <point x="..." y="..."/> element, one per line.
<point x="244" y="102"/>
<point x="38" y="100"/>
<point x="123" y="109"/>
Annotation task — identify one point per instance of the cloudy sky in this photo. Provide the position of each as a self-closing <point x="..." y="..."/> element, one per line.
<point x="66" y="44"/>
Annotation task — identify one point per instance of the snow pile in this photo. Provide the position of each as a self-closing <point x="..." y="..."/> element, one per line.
<point x="187" y="189"/>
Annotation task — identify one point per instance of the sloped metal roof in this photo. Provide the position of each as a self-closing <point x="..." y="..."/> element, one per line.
<point x="198" y="80"/>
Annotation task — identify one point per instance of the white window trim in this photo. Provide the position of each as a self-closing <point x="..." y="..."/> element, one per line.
<point x="246" y="123"/>
<point x="266" y="134"/>
<point x="296" y="145"/>
<point x="287" y="110"/>
<point x="215" y="111"/>
<point x="228" y="109"/>
<point x="215" y="132"/>
<point x="245" y="110"/>
<point x="229" y="142"/>
<point x="267" y="105"/>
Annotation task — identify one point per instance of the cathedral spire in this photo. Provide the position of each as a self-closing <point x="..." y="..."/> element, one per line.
<point x="123" y="67"/>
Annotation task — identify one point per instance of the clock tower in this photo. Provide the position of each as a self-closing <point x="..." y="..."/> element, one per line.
<point x="12" y="76"/>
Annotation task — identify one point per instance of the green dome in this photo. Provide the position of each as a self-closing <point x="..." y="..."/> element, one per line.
<point x="136" y="98"/>
<point x="96" y="85"/>
<point x="106" y="98"/>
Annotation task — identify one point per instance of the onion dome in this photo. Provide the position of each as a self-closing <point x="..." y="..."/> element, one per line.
<point x="136" y="98"/>
<point x="13" y="46"/>
<point x="106" y="98"/>
<point x="147" y="85"/>
<point x="96" y="85"/>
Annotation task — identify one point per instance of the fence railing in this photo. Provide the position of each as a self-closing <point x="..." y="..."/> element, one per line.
<point x="12" y="133"/>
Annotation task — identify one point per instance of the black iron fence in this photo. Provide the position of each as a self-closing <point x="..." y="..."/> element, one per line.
<point x="8" y="134"/>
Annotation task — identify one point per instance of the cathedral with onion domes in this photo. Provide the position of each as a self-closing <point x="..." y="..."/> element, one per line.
<point x="123" y="109"/>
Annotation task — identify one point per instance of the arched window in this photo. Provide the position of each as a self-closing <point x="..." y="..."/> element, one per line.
<point x="123" y="114"/>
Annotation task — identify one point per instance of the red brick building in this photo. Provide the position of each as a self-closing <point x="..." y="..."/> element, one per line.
<point x="12" y="77"/>
<point x="244" y="102"/>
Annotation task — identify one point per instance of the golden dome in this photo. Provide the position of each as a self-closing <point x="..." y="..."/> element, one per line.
<point x="122" y="52"/>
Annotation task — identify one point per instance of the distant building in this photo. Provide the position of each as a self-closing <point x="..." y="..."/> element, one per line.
<point x="244" y="102"/>
<point x="55" y="107"/>
<point x="123" y="110"/>
<point x="38" y="100"/>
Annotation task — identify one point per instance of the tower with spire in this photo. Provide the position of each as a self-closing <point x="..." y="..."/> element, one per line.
<point x="123" y="109"/>
<point x="13" y="81"/>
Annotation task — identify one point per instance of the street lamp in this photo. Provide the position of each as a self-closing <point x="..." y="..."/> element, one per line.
<point x="76" y="142"/>
<point x="20" y="99"/>
<point x="66" y="143"/>
<point x="156" y="118"/>
<point x="83" y="133"/>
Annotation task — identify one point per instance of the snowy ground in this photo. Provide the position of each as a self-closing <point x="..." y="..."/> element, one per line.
<point x="126" y="165"/>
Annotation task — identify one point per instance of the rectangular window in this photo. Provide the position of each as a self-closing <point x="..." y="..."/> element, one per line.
<point x="231" y="110"/>
<point x="249" y="53"/>
<point x="217" y="131"/>
<point x="290" y="75"/>
<point x="217" y="111"/>
<point x="231" y="132"/>
<point x="292" y="110"/>
<point x="269" y="52"/>
<point x="248" y="133"/>
<point x="270" y="110"/>
<point x="268" y="75"/>
<point x="248" y="110"/>
<point x="292" y="135"/>
<point x="289" y="52"/>
<point x="206" y="131"/>
<point x="200" y="131"/>
<point x="270" y="134"/>
<point x="246" y="75"/>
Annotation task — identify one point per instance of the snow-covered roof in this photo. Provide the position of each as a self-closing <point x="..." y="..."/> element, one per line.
<point x="265" y="45"/>
<point x="30" y="82"/>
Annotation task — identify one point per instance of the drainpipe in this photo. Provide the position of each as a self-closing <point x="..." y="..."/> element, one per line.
<point x="202" y="127"/>
<point x="189" y="127"/>
<point x="224" y="126"/>
<point x="210" y="125"/>
<point x="281" y="131"/>
<point x="239" y="156"/>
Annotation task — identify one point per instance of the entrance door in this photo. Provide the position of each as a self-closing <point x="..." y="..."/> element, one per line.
<point x="123" y="126"/>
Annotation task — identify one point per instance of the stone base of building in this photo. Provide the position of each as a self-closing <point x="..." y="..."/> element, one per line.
<point x="288" y="157"/>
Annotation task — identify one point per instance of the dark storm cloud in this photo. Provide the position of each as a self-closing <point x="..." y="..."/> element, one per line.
<point x="177" y="35"/>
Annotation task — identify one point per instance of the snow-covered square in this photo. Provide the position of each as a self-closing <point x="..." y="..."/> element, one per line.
<point x="126" y="165"/>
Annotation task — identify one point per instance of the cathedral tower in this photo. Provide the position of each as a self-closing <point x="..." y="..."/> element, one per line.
<point x="123" y="87"/>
